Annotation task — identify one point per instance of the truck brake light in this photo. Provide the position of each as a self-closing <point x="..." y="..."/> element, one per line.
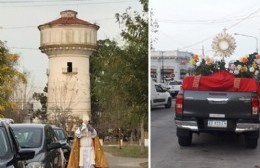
<point x="179" y="104"/>
<point x="255" y="105"/>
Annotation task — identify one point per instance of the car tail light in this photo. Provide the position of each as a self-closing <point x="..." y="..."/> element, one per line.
<point x="255" y="105"/>
<point x="179" y="104"/>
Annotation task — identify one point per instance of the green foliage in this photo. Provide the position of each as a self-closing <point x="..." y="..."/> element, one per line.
<point x="207" y="69"/>
<point x="10" y="77"/>
<point x="42" y="97"/>
<point x="119" y="75"/>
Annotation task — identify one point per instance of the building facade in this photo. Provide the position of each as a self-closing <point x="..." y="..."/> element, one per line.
<point x="68" y="42"/>
<point x="169" y="65"/>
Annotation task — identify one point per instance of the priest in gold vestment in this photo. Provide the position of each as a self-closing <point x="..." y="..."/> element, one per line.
<point x="86" y="150"/>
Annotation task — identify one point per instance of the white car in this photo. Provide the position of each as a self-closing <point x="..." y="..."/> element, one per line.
<point x="159" y="96"/>
<point x="175" y="87"/>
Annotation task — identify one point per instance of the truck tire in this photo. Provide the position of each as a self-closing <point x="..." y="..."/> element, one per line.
<point x="184" y="137"/>
<point x="251" y="139"/>
<point x="169" y="103"/>
<point x="184" y="140"/>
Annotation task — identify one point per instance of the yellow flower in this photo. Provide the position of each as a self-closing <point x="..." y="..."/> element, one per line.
<point x="254" y="65"/>
<point x="243" y="69"/>
<point x="192" y="61"/>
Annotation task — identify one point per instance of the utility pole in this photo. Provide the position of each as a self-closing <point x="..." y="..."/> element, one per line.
<point x="162" y="67"/>
<point x="203" y="51"/>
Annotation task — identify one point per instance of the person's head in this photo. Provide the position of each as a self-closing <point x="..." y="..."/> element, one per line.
<point x="86" y="119"/>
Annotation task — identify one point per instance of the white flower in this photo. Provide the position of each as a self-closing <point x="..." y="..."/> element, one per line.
<point x="198" y="64"/>
<point x="236" y="72"/>
<point x="256" y="72"/>
<point x="252" y="69"/>
<point x="239" y="67"/>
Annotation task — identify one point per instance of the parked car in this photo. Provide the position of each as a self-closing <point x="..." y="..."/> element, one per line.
<point x="175" y="87"/>
<point x="8" y="120"/>
<point x="159" y="96"/>
<point x="64" y="140"/>
<point x="11" y="155"/>
<point x="42" y="139"/>
<point x="164" y="86"/>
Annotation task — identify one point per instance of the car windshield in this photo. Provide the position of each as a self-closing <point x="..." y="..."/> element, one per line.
<point x="4" y="147"/>
<point x="175" y="83"/>
<point x="60" y="134"/>
<point x="28" y="137"/>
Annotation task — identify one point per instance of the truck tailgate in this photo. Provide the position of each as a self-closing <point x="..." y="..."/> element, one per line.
<point x="216" y="104"/>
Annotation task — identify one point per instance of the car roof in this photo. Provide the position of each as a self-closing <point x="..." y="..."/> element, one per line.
<point x="1" y="123"/>
<point x="8" y="120"/>
<point x="29" y="125"/>
<point x="56" y="127"/>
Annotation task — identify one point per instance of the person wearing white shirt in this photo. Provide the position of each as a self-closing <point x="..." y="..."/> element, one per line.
<point x="86" y="133"/>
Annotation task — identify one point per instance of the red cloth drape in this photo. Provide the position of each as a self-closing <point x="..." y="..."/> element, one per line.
<point x="220" y="81"/>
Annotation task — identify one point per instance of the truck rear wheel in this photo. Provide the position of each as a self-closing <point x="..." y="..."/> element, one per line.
<point x="251" y="139"/>
<point x="184" y="137"/>
<point x="184" y="140"/>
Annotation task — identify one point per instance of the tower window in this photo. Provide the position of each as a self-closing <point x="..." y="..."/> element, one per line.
<point x="69" y="66"/>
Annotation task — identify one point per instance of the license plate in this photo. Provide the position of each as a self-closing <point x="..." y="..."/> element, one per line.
<point x="217" y="123"/>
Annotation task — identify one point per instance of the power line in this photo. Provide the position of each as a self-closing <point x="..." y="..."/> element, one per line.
<point x="243" y="19"/>
<point x="26" y="27"/>
<point x="60" y="3"/>
<point x="212" y="21"/>
<point x="230" y="27"/>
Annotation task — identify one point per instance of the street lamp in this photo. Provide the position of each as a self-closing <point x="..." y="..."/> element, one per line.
<point x="256" y="39"/>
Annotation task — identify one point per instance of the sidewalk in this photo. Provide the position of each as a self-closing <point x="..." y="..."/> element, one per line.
<point x="124" y="162"/>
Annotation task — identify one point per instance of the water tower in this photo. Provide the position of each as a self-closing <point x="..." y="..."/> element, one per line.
<point x="68" y="42"/>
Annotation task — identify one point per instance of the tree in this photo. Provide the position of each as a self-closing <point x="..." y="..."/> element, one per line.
<point x="120" y="75"/>
<point x="105" y="63"/>
<point x="135" y="33"/>
<point x="42" y="97"/>
<point x="10" y="78"/>
<point x="153" y="29"/>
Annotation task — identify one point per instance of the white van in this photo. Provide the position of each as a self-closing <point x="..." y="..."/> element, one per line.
<point x="159" y="96"/>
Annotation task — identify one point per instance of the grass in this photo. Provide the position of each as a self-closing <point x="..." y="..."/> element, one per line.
<point x="127" y="151"/>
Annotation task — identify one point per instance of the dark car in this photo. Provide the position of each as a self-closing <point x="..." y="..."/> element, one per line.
<point x="42" y="139"/>
<point x="64" y="140"/>
<point x="11" y="155"/>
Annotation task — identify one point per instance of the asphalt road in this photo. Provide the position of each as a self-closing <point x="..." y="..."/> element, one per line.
<point x="207" y="150"/>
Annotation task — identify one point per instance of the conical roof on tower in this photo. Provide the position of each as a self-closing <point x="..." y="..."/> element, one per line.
<point x="69" y="17"/>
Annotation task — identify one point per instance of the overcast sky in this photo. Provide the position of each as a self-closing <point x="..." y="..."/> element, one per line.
<point x="188" y="25"/>
<point x="19" y="22"/>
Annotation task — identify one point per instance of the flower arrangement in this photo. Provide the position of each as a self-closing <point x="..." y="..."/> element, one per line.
<point x="246" y="66"/>
<point x="206" y="66"/>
